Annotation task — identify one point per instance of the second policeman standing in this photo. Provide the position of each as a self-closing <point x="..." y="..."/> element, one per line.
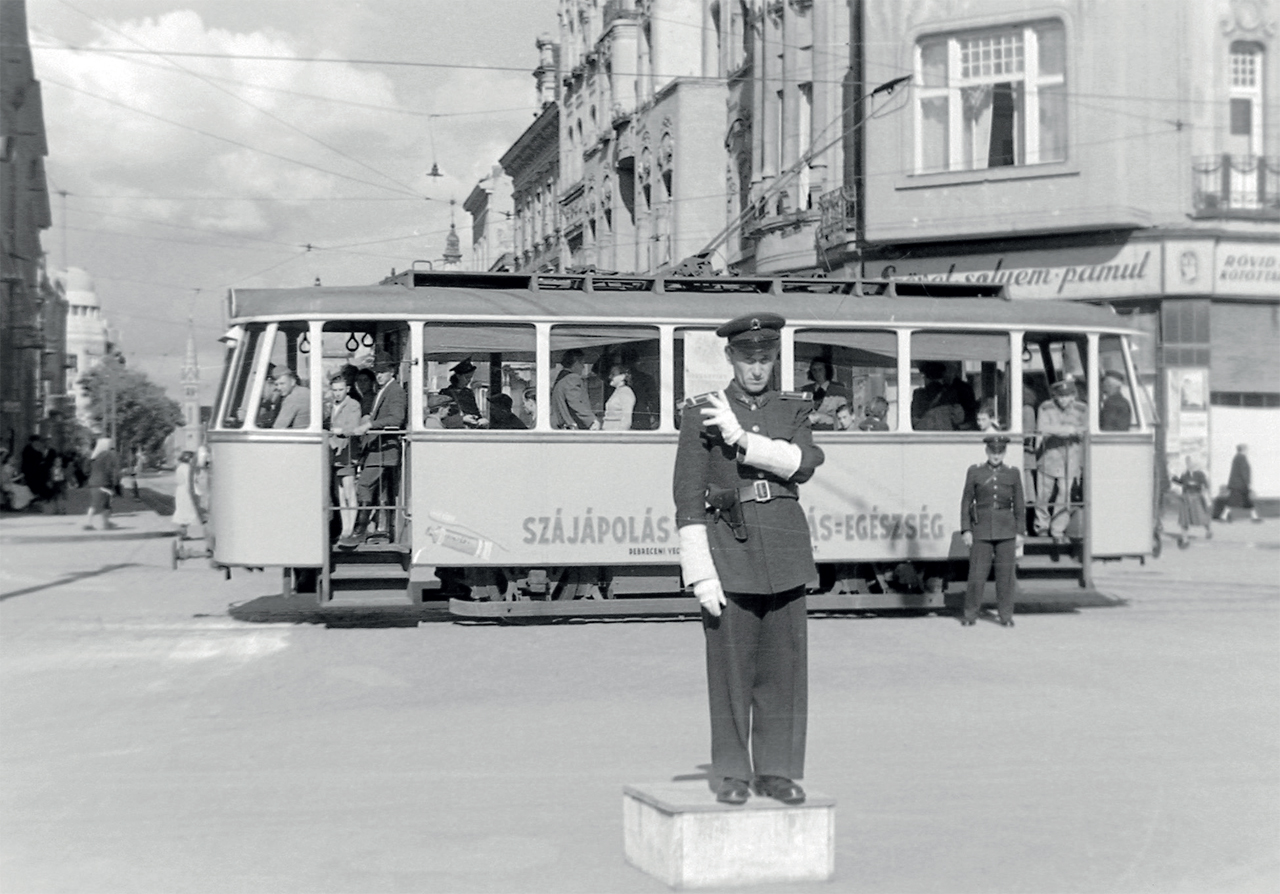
<point x="745" y="550"/>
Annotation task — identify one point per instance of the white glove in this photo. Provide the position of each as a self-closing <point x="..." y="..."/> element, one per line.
<point x="721" y="415"/>
<point x="695" y="555"/>
<point x="782" y="458"/>
<point x="711" y="595"/>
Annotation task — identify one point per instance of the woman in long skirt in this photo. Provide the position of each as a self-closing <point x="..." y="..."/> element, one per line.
<point x="1194" y="511"/>
<point x="186" y="515"/>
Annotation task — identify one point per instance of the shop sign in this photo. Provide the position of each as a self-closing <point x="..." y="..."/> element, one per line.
<point x="1079" y="273"/>
<point x="1247" y="268"/>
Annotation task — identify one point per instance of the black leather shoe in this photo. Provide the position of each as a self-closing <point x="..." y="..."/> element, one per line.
<point x="780" y="788"/>
<point x="733" y="791"/>
<point x="968" y="622"/>
<point x="1007" y="622"/>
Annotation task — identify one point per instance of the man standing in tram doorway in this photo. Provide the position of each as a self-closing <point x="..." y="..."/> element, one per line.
<point x="377" y="484"/>
<point x="745" y="550"/>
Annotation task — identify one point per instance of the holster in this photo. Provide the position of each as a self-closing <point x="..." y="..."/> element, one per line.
<point x="724" y="502"/>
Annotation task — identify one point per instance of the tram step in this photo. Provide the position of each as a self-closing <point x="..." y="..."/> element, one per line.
<point x="1035" y="562"/>
<point x="366" y="598"/>
<point x="363" y="570"/>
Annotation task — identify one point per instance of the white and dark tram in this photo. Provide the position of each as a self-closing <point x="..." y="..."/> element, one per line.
<point x="506" y="522"/>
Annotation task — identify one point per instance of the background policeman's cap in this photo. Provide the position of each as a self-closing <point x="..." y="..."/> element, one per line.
<point x="384" y="364"/>
<point x="997" y="443"/>
<point x="1063" y="387"/>
<point x="1114" y="374"/>
<point x="464" y="367"/>
<point x="753" y="329"/>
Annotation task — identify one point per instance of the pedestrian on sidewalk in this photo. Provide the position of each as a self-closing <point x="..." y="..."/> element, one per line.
<point x="104" y="483"/>
<point x="58" y="485"/>
<point x="1194" y="511"/>
<point x="1239" y="484"/>
<point x="186" y="513"/>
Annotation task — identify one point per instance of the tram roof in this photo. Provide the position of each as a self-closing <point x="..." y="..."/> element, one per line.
<point x="578" y="297"/>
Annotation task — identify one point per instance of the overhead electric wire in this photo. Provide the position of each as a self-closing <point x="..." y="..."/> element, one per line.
<point x="274" y="117"/>
<point x="237" y="143"/>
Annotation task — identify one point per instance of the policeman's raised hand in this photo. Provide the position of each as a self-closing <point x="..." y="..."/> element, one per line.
<point x="967" y="536"/>
<point x="721" y="415"/>
<point x="711" y="595"/>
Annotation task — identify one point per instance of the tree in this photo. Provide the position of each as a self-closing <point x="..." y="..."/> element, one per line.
<point x="144" y="414"/>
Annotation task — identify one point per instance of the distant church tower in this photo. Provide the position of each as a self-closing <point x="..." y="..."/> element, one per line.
<point x="452" y="245"/>
<point x="191" y="436"/>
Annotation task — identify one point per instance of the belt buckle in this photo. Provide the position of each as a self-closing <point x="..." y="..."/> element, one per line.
<point x="762" y="491"/>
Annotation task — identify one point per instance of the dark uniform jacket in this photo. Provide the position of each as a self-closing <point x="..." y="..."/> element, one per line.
<point x="992" y="505"/>
<point x="390" y="412"/>
<point x="777" y="554"/>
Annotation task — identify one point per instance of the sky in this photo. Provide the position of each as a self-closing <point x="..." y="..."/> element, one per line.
<point x="185" y="175"/>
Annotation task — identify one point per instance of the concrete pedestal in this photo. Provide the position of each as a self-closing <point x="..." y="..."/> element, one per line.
<point x="679" y="833"/>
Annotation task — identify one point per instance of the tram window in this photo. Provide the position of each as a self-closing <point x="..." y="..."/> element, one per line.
<point x="620" y="371"/>
<point x="700" y="365"/>
<point x="954" y="373"/>
<point x="850" y="368"/>
<point x="1118" y="409"/>
<point x="467" y="366"/>
<point x="287" y="352"/>
<point x="349" y="347"/>
<point x="237" y="408"/>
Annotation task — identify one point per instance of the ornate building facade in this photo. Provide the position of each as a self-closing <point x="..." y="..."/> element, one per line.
<point x="86" y="335"/>
<point x="492" y="211"/>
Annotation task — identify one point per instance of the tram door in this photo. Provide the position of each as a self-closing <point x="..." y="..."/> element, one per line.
<point x="269" y="460"/>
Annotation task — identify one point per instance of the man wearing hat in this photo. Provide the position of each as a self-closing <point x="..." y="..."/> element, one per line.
<point x="1115" y="413"/>
<point x="1060" y="423"/>
<point x="460" y="390"/>
<point x="992" y="515"/>
<point x="745" y="551"/>
<point x="377" y="482"/>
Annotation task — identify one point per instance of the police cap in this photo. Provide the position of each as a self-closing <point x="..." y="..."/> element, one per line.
<point x="466" y="366"/>
<point x="1114" y="374"/>
<point x="1063" y="387"/>
<point x="996" y="443"/>
<point x="761" y="328"/>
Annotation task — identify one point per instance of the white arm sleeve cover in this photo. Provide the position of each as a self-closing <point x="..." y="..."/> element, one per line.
<point x="695" y="555"/>
<point x="782" y="458"/>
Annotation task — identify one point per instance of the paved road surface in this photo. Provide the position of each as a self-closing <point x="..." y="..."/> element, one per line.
<point x="152" y="744"/>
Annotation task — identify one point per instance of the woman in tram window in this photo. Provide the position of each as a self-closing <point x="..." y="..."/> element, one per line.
<point x="621" y="403"/>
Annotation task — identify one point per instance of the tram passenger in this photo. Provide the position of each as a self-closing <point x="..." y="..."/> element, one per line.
<point x="645" y="415"/>
<point x="992" y="514"/>
<point x="460" y="390"/>
<point x="365" y="389"/>
<point x="745" y="550"/>
<point x="619" y="407"/>
<point x="828" y="394"/>
<point x="501" y="416"/>
<point x="345" y="419"/>
<point x="935" y="406"/>
<point x="1114" y="414"/>
<point x="269" y="408"/>
<point x="876" y="413"/>
<point x="377" y="484"/>
<point x="1061" y="425"/>
<point x="295" y="401"/>
<point x="844" y="418"/>
<point x="986" y="419"/>
<point x="570" y="404"/>
<point x="529" y="407"/>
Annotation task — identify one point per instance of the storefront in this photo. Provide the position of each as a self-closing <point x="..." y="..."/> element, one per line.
<point x="1210" y="304"/>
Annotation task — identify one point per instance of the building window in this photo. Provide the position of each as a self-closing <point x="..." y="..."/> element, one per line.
<point x="991" y="98"/>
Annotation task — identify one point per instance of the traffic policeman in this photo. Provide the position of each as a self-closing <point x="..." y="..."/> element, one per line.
<point x="992" y="517"/>
<point x="745" y="550"/>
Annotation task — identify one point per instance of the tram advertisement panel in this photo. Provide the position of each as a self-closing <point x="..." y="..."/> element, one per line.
<point x="608" y="502"/>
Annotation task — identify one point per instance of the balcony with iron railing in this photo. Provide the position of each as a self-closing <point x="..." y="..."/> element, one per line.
<point x="837" y="217"/>
<point x="1236" y="186"/>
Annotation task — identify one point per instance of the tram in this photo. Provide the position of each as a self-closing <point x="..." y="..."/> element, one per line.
<point x="499" y="519"/>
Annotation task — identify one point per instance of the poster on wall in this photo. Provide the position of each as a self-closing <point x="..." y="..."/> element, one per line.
<point x="1187" y="425"/>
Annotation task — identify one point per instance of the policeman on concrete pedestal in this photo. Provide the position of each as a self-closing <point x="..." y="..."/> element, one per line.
<point x="745" y="550"/>
<point x="992" y="517"/>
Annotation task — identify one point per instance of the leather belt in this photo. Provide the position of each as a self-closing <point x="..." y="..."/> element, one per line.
<point x="1008" y="505"/>
<point x="764" y="491"/>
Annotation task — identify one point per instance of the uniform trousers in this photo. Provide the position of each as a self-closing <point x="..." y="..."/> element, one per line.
<point x="758" y="683"/>
<point x="1005" y="554"/>
<point x="1053" y="505"/>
